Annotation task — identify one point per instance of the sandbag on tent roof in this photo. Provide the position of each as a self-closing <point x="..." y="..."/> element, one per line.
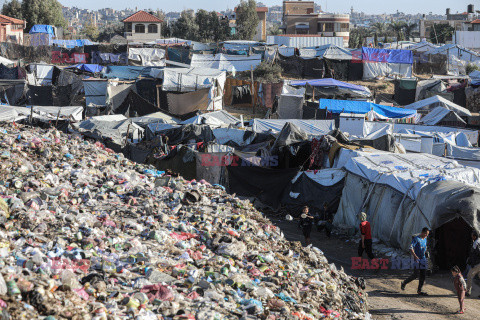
<point x="311" y="127"/>
<point x="363" y="107"/>
<point x="441" y="114"/>
<point x="438" y="101"/>
<point x="93" y="68"/>
<point x="217" y="118"/>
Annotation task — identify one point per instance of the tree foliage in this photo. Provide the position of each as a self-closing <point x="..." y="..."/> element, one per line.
<point x="91" y="31"/>
<point x="43" y="12"/>
<point x="204" y="26"/>
<point x="358" y="37"/>
<point x="247" y="19"/>
<point x="397" y="28"/>
<point x="441" y="33"/>
<point x="185" y="27"/>
<point x="13" y="9"/>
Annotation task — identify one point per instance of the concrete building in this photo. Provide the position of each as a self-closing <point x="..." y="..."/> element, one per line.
<point x="300" y="18"/>
<point x="457" y="21"/>
<point x="11" y="29"/>
<point x="142" y="27"/>
<point x="261" y="34"/>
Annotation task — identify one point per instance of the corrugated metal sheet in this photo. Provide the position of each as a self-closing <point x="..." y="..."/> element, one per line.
<point x="302" y="42"/>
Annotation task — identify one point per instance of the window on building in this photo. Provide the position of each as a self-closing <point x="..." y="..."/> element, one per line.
<point x="344" y="27"/>
<point x="152" y="28"/>
<point x="329" y="27"/>
<point x="139" y="28"/>
<point x="129" y="27"/>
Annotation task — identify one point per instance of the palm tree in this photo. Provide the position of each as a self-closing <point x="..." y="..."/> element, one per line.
<point x="409" y="29"/>
<point x="380" y="28"/>
<point x="397" y="28"/>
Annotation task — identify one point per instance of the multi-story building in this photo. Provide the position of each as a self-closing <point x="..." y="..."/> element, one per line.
<point x="457" y="21"/>
<point x="142" y="27"/>
<point x="299" y="17"/>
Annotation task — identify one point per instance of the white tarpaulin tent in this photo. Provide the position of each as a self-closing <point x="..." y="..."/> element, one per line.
<point x="192" y="79"/>
<point x="440" y="114"/>
<point x="217" y="118"/>
<point x="147" y="56"/>
<point x="95" y="91"/>
<point x="311" y="127"/>
<point x="438" y="101"/>
<point x="226" y="62"/>
<point x="401" y="194"/>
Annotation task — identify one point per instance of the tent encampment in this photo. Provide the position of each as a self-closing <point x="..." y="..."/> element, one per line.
<point x="386" y="63"/>
<point x="374" y="111"/>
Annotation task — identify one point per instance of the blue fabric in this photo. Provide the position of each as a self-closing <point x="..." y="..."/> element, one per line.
<point x="327" y="82"/>
<point x="387" y="55"/>
<point x="419" y="246"/>
<point x="128" y="72"/>
<point x="363" y="107"/>
<point x="70" y="44"/>
<point x="87" y="67"/>
<point x="42" y="28"/>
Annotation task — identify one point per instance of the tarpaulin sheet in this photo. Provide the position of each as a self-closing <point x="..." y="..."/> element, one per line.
<point x="472" y="135"/>
<point x="311" y="127"/>
<point x="126" y="72"/>
<point x="184" y="103"/>
<point x="226" y="62"/>
<point x="217" y="118"/>
<point x="69" y="44"/>
<point x="135" y="106"/>
<point x="267" y="185"/>
<point x="373" y="70"/>
<point x="40" y="95"/>
<point x="438" y="101"/>
<point x="237" y="136"/>
<point x="42" y="28"/>
<point x="440" y="114"/>
<point x="290" y="106"/>
<point x="329" y="82"/>
<point x="387" y="55"/>
<point x="147" y="56"/>
<point x="363" y="107"/>
<point x="116" y="93"/>
<point x="192" y="79"/>
<point x="95" y="92"/>
<point x="43" y="73"/>
<point x="93" y="68"/>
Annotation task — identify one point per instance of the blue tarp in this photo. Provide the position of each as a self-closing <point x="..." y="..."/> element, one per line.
<point x="70" y="44"/>
<point x="128" y="72"/>
<point x="88" y="67"/>
<point x="363" y="107"/>
<point x="42" y="28"/>
<point x="328" y="82"/>
<point x="387" y="55"/>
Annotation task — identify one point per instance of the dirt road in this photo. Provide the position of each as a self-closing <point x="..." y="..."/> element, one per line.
<point x="386" y="300"/>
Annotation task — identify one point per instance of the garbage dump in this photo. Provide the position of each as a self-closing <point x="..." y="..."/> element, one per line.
<point x="87" y="234"/>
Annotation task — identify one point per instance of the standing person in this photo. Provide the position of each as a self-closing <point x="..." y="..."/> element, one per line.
<point x="306" y="224"/>
<point x="460" y="287"/>
<point x="418" y="249"/>
<point x="325" y="219"/>
<point x="365" y="243"/>
<point x="473" y="262"/>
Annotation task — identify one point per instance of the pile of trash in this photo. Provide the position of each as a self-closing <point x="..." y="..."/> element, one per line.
<point x="87" y="234"/>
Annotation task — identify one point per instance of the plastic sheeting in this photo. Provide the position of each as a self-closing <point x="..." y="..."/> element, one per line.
<point x="372" y="70"/>
<point x="311" y="127"/>
<point x="226" y="62"/>
<point x="290" y="106"/>
<point x="472" y="135"/>
<point x="147" y="56"/>
<point x="95" y="92"/>
<point x="117" y="92"/>
<point x="237" y="136"/>
<point x="192" y="79"/>
<point x="43" y="73"/>
<point x="93" y="68"/>
<point x="363" y="107"/>
<point x="440" y="114"/>
<point x="42" y="28"/>
<point x="217" y="118"/>
<point x="438" y="101"/>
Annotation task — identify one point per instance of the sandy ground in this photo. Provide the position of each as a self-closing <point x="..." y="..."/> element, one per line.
<point x="386" y="300"/>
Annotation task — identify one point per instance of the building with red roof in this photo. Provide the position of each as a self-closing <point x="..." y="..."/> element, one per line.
<point x="11" y="29"/>
<point x="142" y="27"/>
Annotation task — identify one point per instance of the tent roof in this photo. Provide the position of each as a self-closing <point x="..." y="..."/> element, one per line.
<point x="438" y="115"/>
<point x="387" y="55"/>
<point x="216" y="118"/>
<point x="431" y="102"/>
<point x="311" y="127"/>
<point x="328" y="82"/>
<point x="93" y="68"/>
<point x="42" y="28"/>
<point x="363" y="107"/>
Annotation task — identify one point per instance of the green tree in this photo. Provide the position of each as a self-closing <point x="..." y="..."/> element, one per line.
<point x="204" y="23"/>
<point x="397" y="28"/>
<point x="247" y="19"/>
<point x="223" y="31"/>
<point x="409" y="29"/>
<point x="380" y="28"/>
<point x="441" y="33"/>
<point x="358" y="36"/>
<point x="109" y="31"/>
<point x="274" y="30"/>
<point x="13" y="9"/>
<point x="43" y="12"/>
<point x="91" y="31"/>
<point x="185" y="27"/>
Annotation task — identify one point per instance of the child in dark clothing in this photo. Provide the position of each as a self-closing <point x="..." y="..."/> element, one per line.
<point x="460" y="287"/>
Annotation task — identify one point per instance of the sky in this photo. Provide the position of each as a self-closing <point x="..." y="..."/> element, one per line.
<point x="342" y="6"/>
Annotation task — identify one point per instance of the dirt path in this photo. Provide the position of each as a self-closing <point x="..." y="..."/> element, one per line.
<point x="386" y="300"/>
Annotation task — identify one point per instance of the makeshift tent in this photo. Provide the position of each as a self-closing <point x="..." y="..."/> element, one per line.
<point x="117" y="92"/>
<point x="386" y="63"/>
<point x="147" y="56"/>
<point x="225" y="62"/>
<point x="405" y="90"/>
<point x="422" y="46"/>
<point x="441" y="115"/>
<point x="42" y="28"/>
<point x="290" y="106"/>
<point x="362" y="107"/>
<point x="429" y="88"/>
<point x="43" y="73"/>
<point x="135" y="106"/>
<point x="188" y="102"/>
<point x="71" y="44"/>
<point x="438" y="101"/>
<point x="192" y="79"/>
<point x="95" y="91"/>
<point x="93" y="68"/>
<point x="126" y="72"/>
<point x="311" y="127"/>
<point x="217" y="118"/>
<point x="331" y="87"/>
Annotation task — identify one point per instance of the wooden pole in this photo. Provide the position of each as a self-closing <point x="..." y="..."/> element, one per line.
<point x="253" y="88"/>
<point x="31" y="115"/>
<point x="128" y="131"/>
<point x="58" y="116"/>
<point x="158" y="96"/>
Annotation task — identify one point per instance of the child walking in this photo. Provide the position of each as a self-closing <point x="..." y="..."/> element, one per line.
<point x="460" y="287"/>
